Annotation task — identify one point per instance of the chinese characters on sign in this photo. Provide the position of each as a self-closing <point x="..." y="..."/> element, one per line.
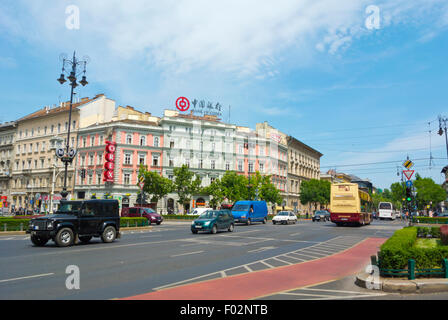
<point x="200" y="108"/>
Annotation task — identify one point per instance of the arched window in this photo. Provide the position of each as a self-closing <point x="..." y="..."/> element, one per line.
<point x="156" y="141"/>
<point x="129" y="139"/>
<point x="142" y="140"/>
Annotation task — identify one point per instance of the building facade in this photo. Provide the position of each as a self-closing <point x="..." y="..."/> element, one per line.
<point x="303" y="164"/>
<point x="7" y="141"/>
<point x="37" y="176"/>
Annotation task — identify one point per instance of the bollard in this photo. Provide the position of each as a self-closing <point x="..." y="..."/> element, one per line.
<point x="411" y="269"/>
<point x="445" y="267"/>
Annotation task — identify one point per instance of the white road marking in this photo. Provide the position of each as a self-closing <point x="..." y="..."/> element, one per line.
<point x="247" y="268"/>
<point x="185" y="254"/>
<point x="283" y="261"/>
<point x="27" y="277"/>
<point x="267" y="264"/>
<point x="261" y="249"/>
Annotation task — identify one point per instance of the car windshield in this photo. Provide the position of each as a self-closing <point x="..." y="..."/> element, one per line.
<point x="69" y="207"/>
<point x="240" y="207"/>
<point x="321" y="212"/>
<point x="385" y="206"/>
<point x="149" y="210"/>
<point x="283" y="213"/>
<point x="209" y="214"/>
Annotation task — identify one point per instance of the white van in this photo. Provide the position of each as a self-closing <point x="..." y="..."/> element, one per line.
<point x="198" y="211"/>
<point x="386" y="211"/>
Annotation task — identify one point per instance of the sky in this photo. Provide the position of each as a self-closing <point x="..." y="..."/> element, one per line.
<point x="362" y="82"/>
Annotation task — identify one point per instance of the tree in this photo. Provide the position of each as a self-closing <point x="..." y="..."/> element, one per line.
<point x="155" y="185"/>
<point x="234" y="186"/>
<point x="186" y="184"/>
<point x="216" y="191"/>
<point x="428" y="192"/>
<point x="315" y="191"/>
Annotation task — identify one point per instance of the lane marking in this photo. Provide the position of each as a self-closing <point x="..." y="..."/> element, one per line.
<point x="27" y="277"/>
<point x="283" y="261"/>
<point x="186" y="254"/>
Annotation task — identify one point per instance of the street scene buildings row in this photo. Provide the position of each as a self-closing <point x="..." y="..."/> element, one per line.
<point x="31" y="177"/>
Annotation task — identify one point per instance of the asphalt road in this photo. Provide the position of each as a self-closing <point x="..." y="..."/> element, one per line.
<point x="170" y="255"/>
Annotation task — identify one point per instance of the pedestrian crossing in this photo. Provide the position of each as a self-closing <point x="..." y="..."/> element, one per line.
<point x="315" y="251"/>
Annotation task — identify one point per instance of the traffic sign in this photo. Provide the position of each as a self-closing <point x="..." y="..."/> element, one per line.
<point x="72" y="153"/>
<point x="408" y="164"/>
<point x="409" y="183"/>
<point x="408" y="173"/>
<point x="141" y="184"/>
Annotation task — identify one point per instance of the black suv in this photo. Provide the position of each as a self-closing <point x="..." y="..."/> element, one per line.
<point x="77" y="220"/>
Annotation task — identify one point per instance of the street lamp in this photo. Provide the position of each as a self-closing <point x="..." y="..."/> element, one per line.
<point x="74" y="63"/>
<point x="54" y="143"/>
<point x="444" y="120"/>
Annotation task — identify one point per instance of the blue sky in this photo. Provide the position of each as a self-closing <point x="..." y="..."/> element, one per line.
<point x="313" y="69"/>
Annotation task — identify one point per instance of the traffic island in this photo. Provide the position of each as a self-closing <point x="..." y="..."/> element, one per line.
<point x="403" y="286"/>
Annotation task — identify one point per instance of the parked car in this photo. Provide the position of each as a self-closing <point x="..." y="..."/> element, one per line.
<point x="77" y="219"/>
<point x="250" y="211"/>
<point x="212" y="221"/>
<point x="198" y="211"/>
<point x="321" y="215"/>
<point x="285" y="217"/>
<point x="148" y="213"/>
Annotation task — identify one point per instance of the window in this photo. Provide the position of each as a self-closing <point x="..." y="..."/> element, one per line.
<point x="37" y="147"/>
<point x="66" y="126"/>
<point x="92" y="141"/>
<point x="213" y="146"/>
<point x="240" y="149"/>
<point x="156" y="141"/>
<point x="212" y="164"/>
<point x="42" y="163"/>
<point x="127" y="178"/>
<point x="45" y="130"/>
<point x="251" y="166"/>
<point x="83" y="160"/>
<point x="142" y="140"/>
<point x="101" y="140"/>
<point x="261" y="164"/>
<point x="90" y="179"/>
<point x="212" y="179"/>
<point x="18" y="149"/>
<point x="74" y="124"/>
<point x="129" y="139"/>
<point x="227" y="166"/>
<point x="171" y="144"/>
<point x="98" y="178"/>
<point x="240" y="165"/>
<point x="59" y="127"/>
<point x="141" y="159"/>
<point x="171" y="162"/>
<point x="99" y="157"/>
<point x="201" y="164"/>
<point x="187" y="163"/>
<point x="127" y="158"/>
<point x="91" y="158"/>
<point x="155" y="160"/>
<point x="84" y="142"/>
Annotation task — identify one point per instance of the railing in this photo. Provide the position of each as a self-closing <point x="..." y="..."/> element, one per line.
<point x="411" y="272"/>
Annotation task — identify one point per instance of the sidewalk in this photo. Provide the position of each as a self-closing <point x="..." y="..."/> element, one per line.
<point x="267" y="282"/>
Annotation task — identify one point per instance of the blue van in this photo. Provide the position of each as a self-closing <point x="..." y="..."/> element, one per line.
<point x="250" y="211"/>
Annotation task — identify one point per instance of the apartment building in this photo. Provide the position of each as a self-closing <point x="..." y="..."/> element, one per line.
<point x="7" y="140"/>
<point x="37" y="176"/>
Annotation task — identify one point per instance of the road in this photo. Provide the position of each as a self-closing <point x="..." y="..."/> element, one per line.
<point x="170" y="255"/>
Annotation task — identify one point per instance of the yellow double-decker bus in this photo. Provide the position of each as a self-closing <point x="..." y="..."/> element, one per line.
<point x="350" y="204"/>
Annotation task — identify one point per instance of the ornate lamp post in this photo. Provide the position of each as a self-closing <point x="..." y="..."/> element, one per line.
<point x="72" y="77"/>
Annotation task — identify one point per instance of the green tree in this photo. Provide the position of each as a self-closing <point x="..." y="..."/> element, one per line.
<point x="216" y="191"/>
<point x="186" y="184"/>
<point x="428" y="192"/>
<point x="315" y="192"/>
<point x="155" y="185"/>
<point x="234" y="186"/>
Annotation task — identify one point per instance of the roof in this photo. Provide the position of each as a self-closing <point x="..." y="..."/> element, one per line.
<point x="65" y="106"/>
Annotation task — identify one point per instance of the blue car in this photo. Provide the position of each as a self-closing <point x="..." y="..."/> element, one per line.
<point x="248" y="211"/>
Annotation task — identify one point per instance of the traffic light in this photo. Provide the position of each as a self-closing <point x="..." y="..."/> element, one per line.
<point x="408" y="194"/>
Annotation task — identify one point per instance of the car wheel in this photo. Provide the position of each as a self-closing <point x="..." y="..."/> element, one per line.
<point x="248" y="222"/>
<point x="85" y="239"/>
<point x="64" y="237"/>
<point x="274" y="222"/>
<point x="38" y="241"/>
<point x="214" y="229"/>
<point x="231" y="227"/>
<point x="194" y="231"/>
<point x="158" y="223"/>
<point x="264" y="220"/>
<point x="109" y="234"/>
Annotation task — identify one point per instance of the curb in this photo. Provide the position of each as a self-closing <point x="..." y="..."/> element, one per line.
<point x="402" y="285"/>
<point x="20" y="233"/>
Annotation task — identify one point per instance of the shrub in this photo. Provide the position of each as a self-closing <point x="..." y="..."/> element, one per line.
<point x="444" y="235"/>
<point x="133" y="221"/>
<point x="436" y="220"/>
<point x="396" y="251"/>
<point x="424" y="232"/>
<point x="13" y="224"/>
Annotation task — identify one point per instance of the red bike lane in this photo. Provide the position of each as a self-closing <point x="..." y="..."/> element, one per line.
<point x="267" y="282"/>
